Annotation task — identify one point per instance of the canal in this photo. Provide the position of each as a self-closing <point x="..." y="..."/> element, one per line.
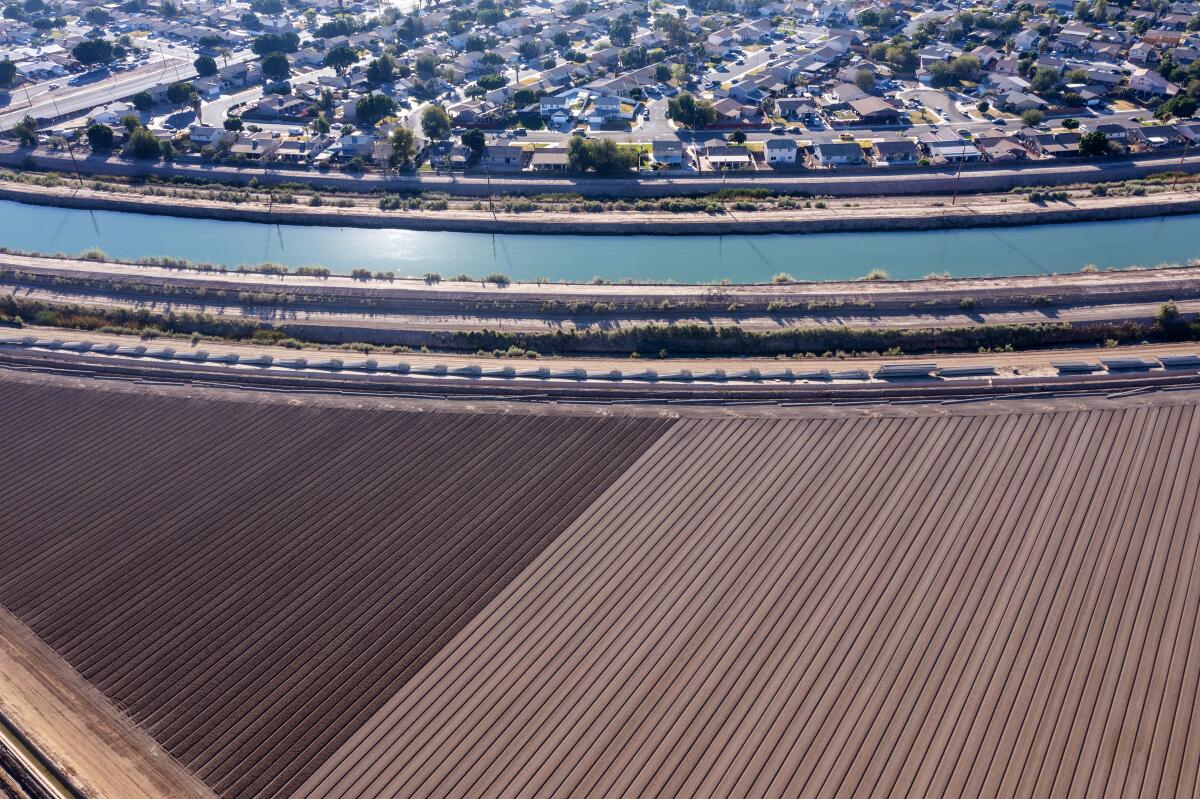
<point x="686" y="259"/>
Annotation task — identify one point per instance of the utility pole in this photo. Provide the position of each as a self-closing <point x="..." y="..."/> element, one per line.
<point x="70" y="149"/>
<point x="957" y="178"/>
<point x="1187" y="143"/>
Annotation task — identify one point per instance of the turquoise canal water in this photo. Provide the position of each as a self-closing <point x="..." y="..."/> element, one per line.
<point x="685" y="259"/>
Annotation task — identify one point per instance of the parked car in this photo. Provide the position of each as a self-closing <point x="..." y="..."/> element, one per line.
<point x="777" y="130"/>
<point x="794" y="129"/>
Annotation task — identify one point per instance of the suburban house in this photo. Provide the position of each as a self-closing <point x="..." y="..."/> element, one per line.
<point x="953" y="151"/>
<point x="893" y="153"/>
<point x="208" y="134"/>
<point x="550" y="105"/>
<point x="800" y="109"/>
<point x="281" y="107"/>
<point x="301" y="150"/>
<point x="354" y="144"/>
<point x="1001" y="148"/>
<point x="503" y="156"/>
<point x="667" y="150"/>
<point x="838" y="154"/>
<point x="1147" y="81"/>
<point x="111" y="114"/>
<point x="255" y="146"/>
<point x="721" y="157"/>
<point x="549" y="159"/>
<point x="780" y="151"/>
<point x="1050" y="145"/>
<point x="874" y="111"/>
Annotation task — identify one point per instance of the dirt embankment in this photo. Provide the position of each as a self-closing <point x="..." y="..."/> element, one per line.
<point x="863" y="215"/>
<point x="872" y="297"/>
<point x="86" y="737"/>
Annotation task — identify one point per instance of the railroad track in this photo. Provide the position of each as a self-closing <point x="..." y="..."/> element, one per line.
<point x="583" y="390"/>
<point x="25" y="773"/>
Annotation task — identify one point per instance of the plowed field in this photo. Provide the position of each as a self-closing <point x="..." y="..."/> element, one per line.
<point x="980" y="605"/>
<point x="252" y="581"/>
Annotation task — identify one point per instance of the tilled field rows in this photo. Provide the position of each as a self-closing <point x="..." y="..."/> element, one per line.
<point x="993" y="605"/>
<point x="251" y="582"/>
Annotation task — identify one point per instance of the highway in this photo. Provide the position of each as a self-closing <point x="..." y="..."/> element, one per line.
<point x="45" y="103"/>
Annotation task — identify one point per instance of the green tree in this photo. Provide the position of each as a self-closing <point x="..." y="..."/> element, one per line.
<point x="26" y="131"/>
<point x="340" y="58"/>
<point x="8" y="72"/>
<point x="602" y="155"/>
<point x="621" y="30"/>
<point x="475" y="141"/>
<point x="662" y="72"/>
<point x="142" y="144"/>
<point x="181" y="93"/>
<point x="864" y="79"/>
<point x="205" y="65"/>
<point x="983" y="106"/>
<point x="100" y="137"/>
<point x="97" y="16"/>
<point x="491" y="81"/>
<point x="373" y="107"/>
<point x="403" y="148"/>
<point x="338" y="26"/>
<point x="435" y="122"/>
<point x="687" y="110"/>
<point x="143" y="101"/>
<point x="275" y="66"/>
<point x="1044" y="81"/>
<point x="1093" y="143"/>
<point x="1181" y="105"/>
<point x="92" y="52"/>
<point x="426" y="66"/>
<point x="382" y="69"/>
<point x="232" y="123"/>
<point x="530" y="49"/>
<point x="275" y="43"/>
<point x="1032" y="118"/>
<point x="1070" y="124"/>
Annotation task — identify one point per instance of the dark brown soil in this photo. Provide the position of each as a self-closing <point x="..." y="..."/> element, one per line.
<point x="252" y="581"/>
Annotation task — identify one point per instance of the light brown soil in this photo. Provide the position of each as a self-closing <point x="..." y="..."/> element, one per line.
<point x="858" y="214"/>
<point x="88" y="739"/>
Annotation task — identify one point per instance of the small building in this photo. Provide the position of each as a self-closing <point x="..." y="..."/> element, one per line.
<point x="1147" y="81"/>
<point x="896" y="153"/>
<point x="208" y="134"/>
<point x="667" y="150"/>
<point x="780" y="151"/>
<point x="503" y="156"/>
<point x="549" y="159"/>
<point x="727" y="157"/>
<point x="874" y="111"/>
<point x="838" y="154"/>
<point x="953" y="151"/>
